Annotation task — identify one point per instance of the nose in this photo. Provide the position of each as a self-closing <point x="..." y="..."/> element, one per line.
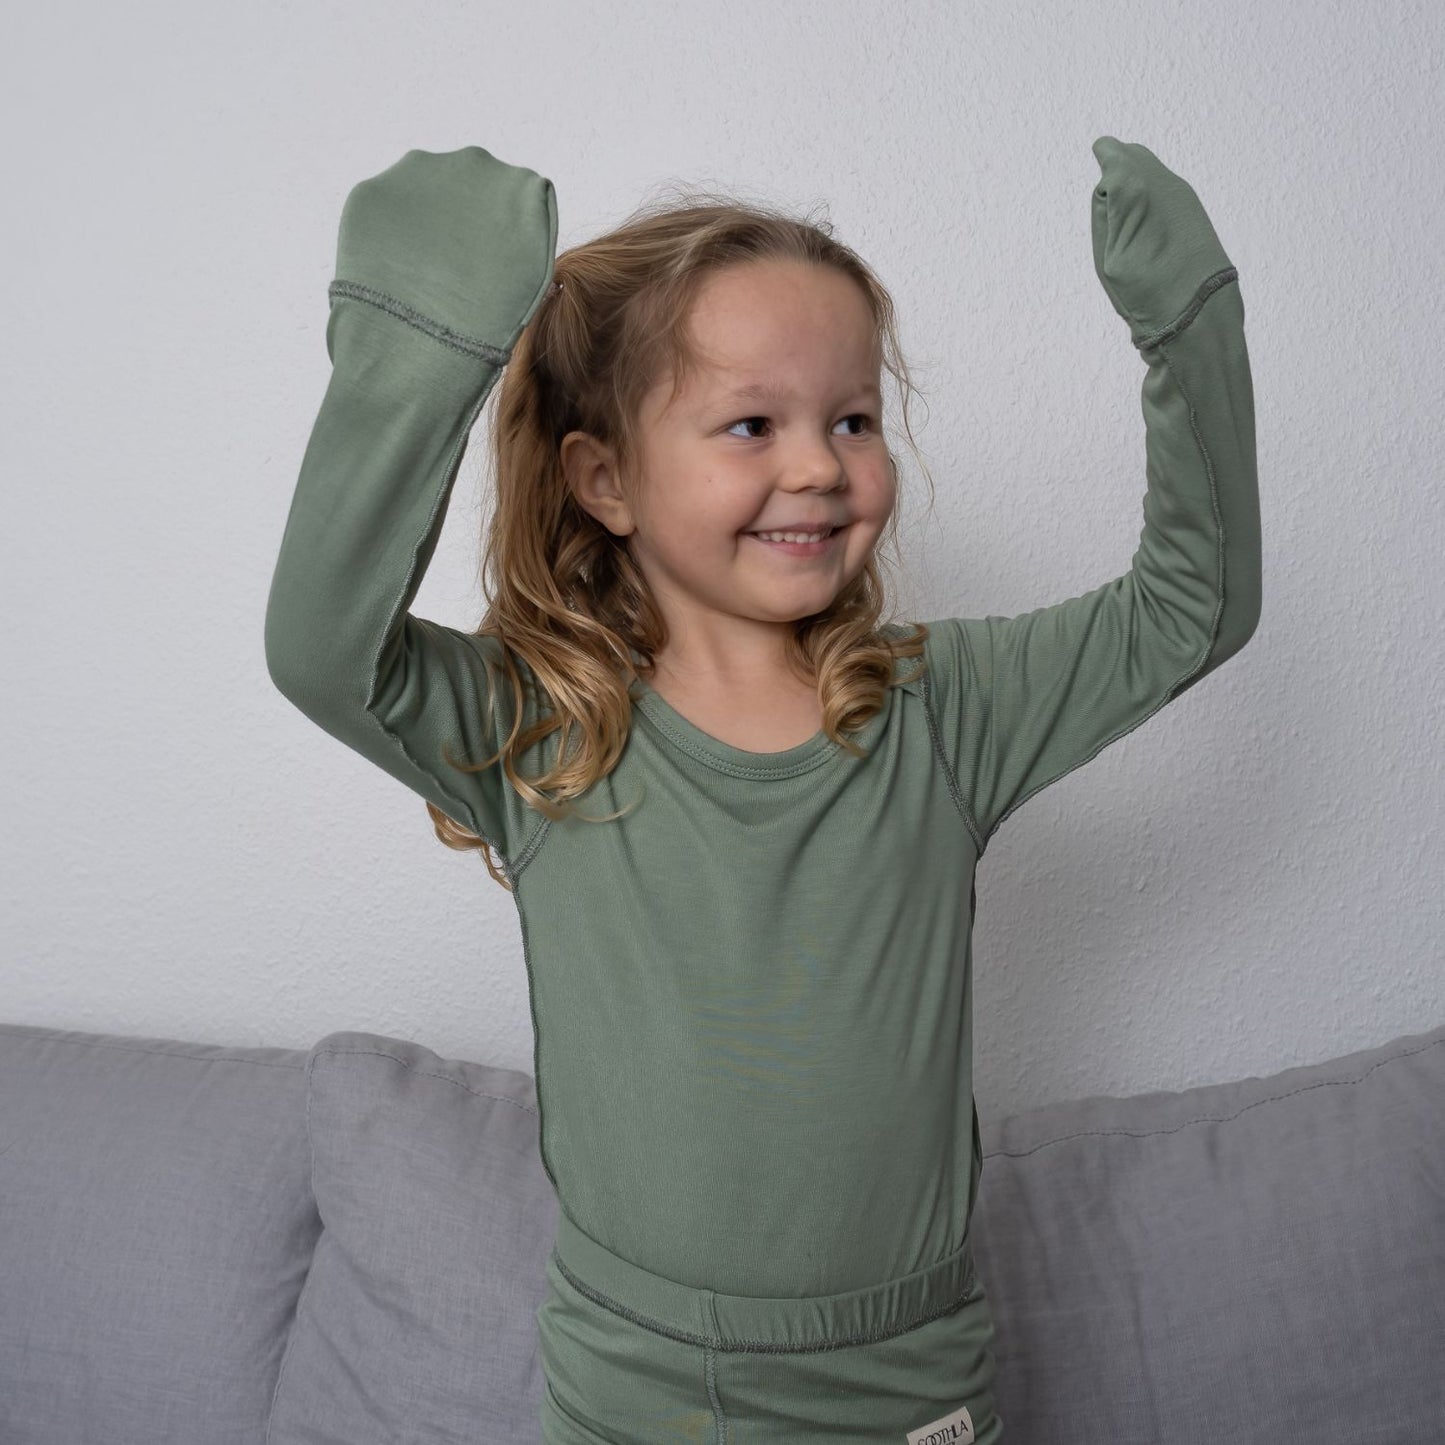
<point x="818" y="469"/>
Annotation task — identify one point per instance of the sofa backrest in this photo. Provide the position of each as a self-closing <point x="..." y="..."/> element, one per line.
<point x="418" y="1320"/>
<point x="156" y="1227"/>
<point x="261" y="1246"/>
<point x="1261" y="1260"/>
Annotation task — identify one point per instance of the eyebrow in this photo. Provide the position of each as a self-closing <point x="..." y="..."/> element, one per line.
<point x="772" y="391"/>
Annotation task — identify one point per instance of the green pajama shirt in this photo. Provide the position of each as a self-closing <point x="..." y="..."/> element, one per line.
<point x="752" y="993"/>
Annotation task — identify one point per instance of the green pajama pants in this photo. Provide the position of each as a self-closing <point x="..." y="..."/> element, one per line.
<point x="631" y="1358"/>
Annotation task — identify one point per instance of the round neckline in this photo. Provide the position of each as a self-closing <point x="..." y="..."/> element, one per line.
<point x="741" y="762"/>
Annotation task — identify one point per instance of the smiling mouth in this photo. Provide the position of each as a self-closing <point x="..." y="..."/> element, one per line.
<point x="801" y="549"/>
<point x="823" y="535"/>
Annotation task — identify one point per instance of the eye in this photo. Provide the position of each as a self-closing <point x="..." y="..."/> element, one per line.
<point x="856" y="416"/>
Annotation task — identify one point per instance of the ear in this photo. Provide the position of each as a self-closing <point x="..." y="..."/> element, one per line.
<point x="590" y="467"/>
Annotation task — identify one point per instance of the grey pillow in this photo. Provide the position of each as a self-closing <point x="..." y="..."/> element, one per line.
<point x="418" y="1319"/>
<point x="155" y="1230"/>
<point x="1259" y="1260"/>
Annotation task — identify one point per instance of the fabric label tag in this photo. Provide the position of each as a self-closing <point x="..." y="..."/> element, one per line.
<point x="954" y="1429"/>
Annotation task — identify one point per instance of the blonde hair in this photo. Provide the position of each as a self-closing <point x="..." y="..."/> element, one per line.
<point x="565" y="594"/>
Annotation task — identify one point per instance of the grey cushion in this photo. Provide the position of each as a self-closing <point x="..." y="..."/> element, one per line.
<point x="1259" y="1261"/>
<point x="418" y="1321"/>
<point x="155" y="1230"/>
<point x="1262" y="1260"/>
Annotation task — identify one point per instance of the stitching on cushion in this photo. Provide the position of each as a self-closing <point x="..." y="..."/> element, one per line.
<point x="91" y="1043"/>
<point x="291" y="1335"/>
<point x="1209" y="1119"/>
<point x="426" y="1074"/>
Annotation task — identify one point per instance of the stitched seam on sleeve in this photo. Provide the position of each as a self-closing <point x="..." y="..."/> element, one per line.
<point x="511" y="866"/>
<point x="1221" y="581"/>
<point x="955" y="792"/>
<point x="988" y="721"/>
<point x="1219" y="551"/>
<point x="468" y="345"/>
<point x="529" y="848"/>
<point x="474" y="643"/>
<point x="1205" y="291"/>
<point x="464" y="811"/>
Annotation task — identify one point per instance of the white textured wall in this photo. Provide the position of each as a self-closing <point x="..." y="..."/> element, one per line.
<point x="1251" y="880"/>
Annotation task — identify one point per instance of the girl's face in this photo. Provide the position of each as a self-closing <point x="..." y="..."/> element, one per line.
<point x="718" y="465"/>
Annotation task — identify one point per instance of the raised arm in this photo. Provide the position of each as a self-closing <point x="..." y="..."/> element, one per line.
<point x="442" y="259"/>
<point x="1023" y="700"/>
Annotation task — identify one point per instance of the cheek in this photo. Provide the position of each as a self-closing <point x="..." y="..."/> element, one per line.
<point x="697" y="538"/>
<point x="886" y="485"/>
<point x="878" y="514"/>
<point x="711" y="522"/>
<point x="875" y="504"/>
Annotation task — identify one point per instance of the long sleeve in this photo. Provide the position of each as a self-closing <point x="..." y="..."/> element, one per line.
<point x="1024" y="700"/>
<point x="406" y="386"/>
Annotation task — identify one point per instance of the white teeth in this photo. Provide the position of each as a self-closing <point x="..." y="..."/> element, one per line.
<point x="793" y="536"/>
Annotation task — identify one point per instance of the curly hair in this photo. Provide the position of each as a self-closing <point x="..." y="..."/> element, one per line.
<point x="564" y="594"/>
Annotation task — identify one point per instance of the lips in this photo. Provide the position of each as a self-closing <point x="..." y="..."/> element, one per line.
<point x="801" y="549"/>
<point x="827" y="528"/>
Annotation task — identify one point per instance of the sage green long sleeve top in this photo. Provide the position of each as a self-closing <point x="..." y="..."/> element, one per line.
<point x="752" y="994"/>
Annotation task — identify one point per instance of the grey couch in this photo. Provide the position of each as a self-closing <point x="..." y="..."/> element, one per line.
<point x="228" y="1246"/>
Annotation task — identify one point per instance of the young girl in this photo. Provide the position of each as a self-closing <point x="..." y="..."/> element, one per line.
<point x="749" y="955"/>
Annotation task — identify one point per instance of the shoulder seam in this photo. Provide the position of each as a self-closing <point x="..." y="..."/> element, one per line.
<point x="461" y="811"/>
<point x="512" y="864"/>
<point x="955" y="791"/>
<point x="529" y="848"/>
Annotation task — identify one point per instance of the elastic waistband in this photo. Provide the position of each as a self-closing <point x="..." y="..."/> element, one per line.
<point x="756" y="1322"/>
